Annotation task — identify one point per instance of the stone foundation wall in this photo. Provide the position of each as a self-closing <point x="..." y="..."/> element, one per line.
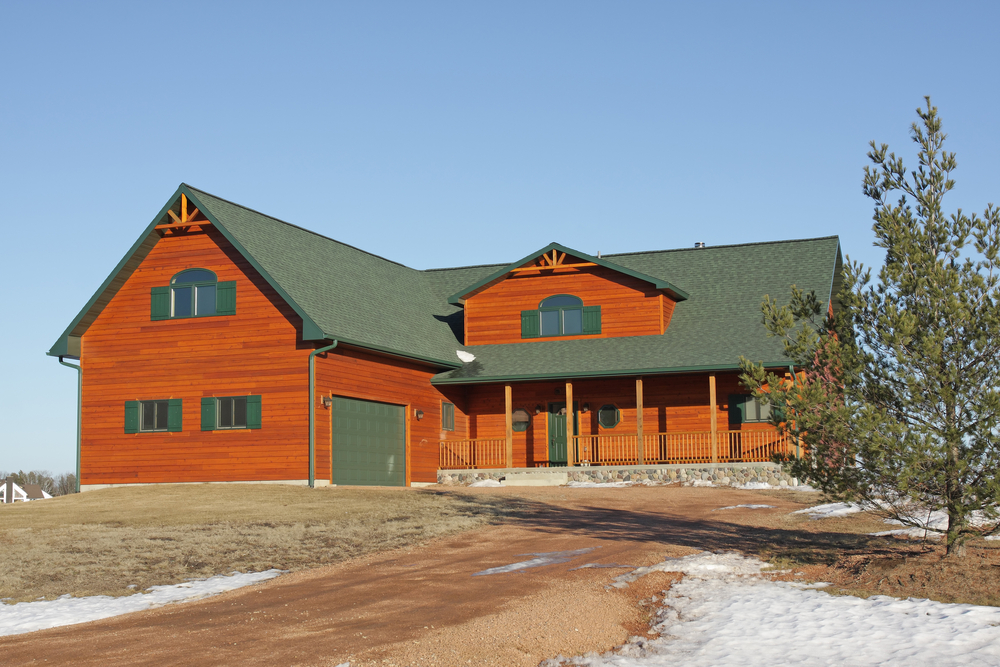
<point x="735" y="474"/>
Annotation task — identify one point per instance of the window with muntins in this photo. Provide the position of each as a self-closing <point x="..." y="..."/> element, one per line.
<point x="193" y="293"/>
<point x="561" y="315"/>
<point x="221" y="413"/>
<point x="156" y="416"/>
<point x="745" y="409"/>
<point x="609" y="416"/>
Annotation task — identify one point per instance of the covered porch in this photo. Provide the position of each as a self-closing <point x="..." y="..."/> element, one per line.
<point x="665" y="419"/>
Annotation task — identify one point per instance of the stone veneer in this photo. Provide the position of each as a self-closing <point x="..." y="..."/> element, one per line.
<point x="721" y="474"/>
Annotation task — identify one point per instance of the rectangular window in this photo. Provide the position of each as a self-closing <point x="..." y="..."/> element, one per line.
<point x="745" y="409"/>
<point x="572" y="321"/>
<point x="153" y="416"/>
<point x="447" y="416"/>
<point x="182" y="302"/>
<point x="231" y="412"/>
<point x="204" y="302"/>
<point x="550" y="322"/>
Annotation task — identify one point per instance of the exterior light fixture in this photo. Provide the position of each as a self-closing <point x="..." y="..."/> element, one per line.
<point x="327" y="402"/>
<point x="419" y="414"/>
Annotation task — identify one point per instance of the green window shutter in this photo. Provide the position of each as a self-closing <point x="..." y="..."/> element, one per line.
<point x="225" y="298"/>
<point x="778" y="412"/>
<point x="737" y="408"/>
<point x="591" y="320"/>
<point x="208" y="413"/>
<point x="175" y="415"/>
<point x="159" y="303"/>
<point x="253" y="411"/>
<point x="529" y="324"/>
<point x="131" y="416"/>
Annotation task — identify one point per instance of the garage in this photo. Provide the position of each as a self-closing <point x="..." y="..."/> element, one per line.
<point x="369" y="443"/>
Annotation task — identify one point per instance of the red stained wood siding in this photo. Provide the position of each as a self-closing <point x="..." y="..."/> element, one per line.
<point x="126" y="356"/>
<point x="629" y="306"/>
<point x="671" y="404"/>
<point x="363" y="375"/>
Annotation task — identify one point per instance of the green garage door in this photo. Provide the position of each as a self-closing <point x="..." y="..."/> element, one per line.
<point x="368" y="443"/>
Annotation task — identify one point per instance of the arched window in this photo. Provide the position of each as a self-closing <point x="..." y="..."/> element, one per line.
<point x="192" y="293"/>
<point x="561" y="315"/>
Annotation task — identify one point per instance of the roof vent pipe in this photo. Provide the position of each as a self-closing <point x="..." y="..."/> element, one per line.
<point x="699" y="244"/>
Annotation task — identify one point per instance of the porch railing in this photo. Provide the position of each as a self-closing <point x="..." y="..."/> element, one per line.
<point x="620" y="449"/>
<point x="477" y="453"/>
<point x="678" y="448"/>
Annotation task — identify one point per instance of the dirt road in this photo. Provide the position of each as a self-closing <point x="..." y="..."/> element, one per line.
<point x="428" y="605"/>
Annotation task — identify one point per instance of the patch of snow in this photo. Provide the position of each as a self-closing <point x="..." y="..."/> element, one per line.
<point x="724" y="613"/>
<point x="918" y="533"/>
<point x="702" y="482"/>
<point x="464" y="356"/>
<point x="749" y="507"/>
<point x="541" y="560"/>
<point x="599" y="485"/>
<point x="612" y="566"/>
<point x="753" y="486"/>
<point x="30" y="616"/>
<point x="992" y="537"/>
<point x="831" y="510"/>
<point x="485" y="482"/>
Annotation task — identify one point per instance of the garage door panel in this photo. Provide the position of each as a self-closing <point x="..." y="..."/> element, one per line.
<point x="368" y="443"/>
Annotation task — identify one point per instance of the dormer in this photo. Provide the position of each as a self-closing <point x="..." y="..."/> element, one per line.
<point x="558" y="293"/>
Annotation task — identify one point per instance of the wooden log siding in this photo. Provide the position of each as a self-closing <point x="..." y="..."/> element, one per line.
<point x="629" y="306"/>
<point x="128" y="357"/>
<point x="671" y="404"/>
<point x="371" y="377"/>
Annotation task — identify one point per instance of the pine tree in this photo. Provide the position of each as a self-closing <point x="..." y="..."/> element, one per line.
<point x="897" y="399"/>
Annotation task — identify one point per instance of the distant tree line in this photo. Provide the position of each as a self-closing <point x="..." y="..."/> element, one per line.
<point x="59" y="485"/>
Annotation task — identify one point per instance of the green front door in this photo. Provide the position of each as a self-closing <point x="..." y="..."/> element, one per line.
<point x="368" y="443"/>
<point x="557" y="433"/>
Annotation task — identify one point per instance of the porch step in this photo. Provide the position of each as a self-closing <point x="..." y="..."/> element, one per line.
<point x="535" y="479"/>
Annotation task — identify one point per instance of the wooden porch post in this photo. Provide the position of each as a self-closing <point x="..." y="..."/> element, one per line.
<point x="640" y="442"/>
<point x="509" y="433"/>
<point x="570" y="430"/>
<point x="713" y="407"/>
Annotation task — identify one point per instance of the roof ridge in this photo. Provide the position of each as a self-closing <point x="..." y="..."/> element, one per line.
<point x="309" y="231"/>
<point x="729" y="245"/>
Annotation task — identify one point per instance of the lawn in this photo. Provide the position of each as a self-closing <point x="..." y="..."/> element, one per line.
<point x="118" y="541"/>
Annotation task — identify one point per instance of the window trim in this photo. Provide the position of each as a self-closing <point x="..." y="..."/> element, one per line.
<point x="173" y="285"/>
<point x="514" y="424"/>
<point x="155" y="403"/>
<point x="445" y="426"/>
<point x="562" y="315"/>
<point x="218" y="413"/>
<point x="210" y="412"/>
<point x="618" y="415"/>
<point x="175" y="416"/>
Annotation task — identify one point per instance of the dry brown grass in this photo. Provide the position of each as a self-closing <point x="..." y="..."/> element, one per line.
<point x="103" y="542"/>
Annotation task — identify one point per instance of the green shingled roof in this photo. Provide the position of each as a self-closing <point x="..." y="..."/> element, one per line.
<point x="359" y="298"/>
<point x="720" y="320"/>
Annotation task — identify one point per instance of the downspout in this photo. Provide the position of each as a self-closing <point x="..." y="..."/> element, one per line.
<point x="79" y="415"/>
<point x="312" y="411"/>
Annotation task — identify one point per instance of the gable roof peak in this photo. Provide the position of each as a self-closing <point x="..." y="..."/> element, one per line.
<point x="556" y="261"/>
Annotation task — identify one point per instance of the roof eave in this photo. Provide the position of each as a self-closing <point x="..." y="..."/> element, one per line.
<point x="600" y="374"/>
<point x="675" y="292"/>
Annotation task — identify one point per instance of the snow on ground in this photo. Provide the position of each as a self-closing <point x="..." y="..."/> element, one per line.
<point x="30" y="616"/>
<point x="749" y="507"/>
<point x="485" y="482"/>
<point x="599" y="485"/>
<point x="831" y="510"/>
<point x="724" y="613"/>
<point x="540" y="560"/>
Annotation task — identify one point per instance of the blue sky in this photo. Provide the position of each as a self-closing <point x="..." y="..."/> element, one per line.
<point x="444" y="134"/>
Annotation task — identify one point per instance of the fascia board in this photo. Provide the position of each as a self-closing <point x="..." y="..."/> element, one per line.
<point x="60" y="348"/>
<point x="600" y="374"/>
<point x="681" y="295"/>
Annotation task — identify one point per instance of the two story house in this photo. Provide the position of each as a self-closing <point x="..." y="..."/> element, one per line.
<point x="228" y="345"/>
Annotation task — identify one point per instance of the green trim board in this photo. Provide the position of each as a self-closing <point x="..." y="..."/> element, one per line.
<point x="458" y="298"/>
<point x="443" y="378"/>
